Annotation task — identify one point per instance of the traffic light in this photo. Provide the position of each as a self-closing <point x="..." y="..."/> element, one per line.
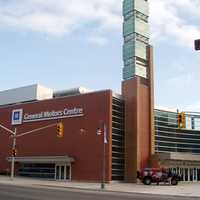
<point x="197" y="44"/>
<point x="181" y="120"/>
<point x="60" y="130"/>
<point x="14" y="152"/>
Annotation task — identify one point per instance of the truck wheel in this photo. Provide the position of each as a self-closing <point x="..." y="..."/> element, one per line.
<point x="147" y="181"/>
<point x="174" y="182"/>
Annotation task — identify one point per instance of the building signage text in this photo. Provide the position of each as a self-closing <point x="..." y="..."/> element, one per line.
<point x="48" y="115"/>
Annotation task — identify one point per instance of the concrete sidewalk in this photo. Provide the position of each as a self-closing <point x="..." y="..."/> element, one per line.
<point x="183" y="189"/>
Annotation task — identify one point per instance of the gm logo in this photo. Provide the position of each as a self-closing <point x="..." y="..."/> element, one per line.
<point x="17" y="116"/>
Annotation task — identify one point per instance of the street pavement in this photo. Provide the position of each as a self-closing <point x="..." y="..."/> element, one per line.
<point x="12" y="192"/>
<point x="182" y="190"/>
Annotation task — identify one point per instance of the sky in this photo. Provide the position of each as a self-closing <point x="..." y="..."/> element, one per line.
<point x="70" y="43"/>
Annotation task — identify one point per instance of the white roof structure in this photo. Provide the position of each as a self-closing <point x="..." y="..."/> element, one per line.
<point x="70" y="92"/>
<point x="38" y="92"/>
<point x="166" y="109"/>
<point x="24" y="94"/>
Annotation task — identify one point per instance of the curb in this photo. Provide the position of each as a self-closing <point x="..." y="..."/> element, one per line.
<point x="92" y="190"/>
<point x="105" y="191"/>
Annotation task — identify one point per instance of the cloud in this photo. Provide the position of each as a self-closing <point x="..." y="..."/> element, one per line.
<point x="174" y="20"/>
<point x="59" y="17"/>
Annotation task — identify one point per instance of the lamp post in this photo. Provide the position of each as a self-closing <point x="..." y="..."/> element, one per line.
<point x="103" y="165"/>
<point x="13" y="156"/>
<point x="99" y="132"/>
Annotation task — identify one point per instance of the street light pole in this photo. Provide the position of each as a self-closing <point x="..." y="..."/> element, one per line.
<point x="103" y="168"/>
<point x="13" y="156"/>
<point x="104" y="155"/>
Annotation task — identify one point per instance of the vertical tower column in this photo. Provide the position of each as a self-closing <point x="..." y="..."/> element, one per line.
<point x="137" y="88"/>
<point x="136" y="38"/>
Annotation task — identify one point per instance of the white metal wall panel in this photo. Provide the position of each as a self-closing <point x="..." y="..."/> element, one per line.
<point x="24" y="94"/>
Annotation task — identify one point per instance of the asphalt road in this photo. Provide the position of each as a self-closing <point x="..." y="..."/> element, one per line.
<point x="10" y="192"/>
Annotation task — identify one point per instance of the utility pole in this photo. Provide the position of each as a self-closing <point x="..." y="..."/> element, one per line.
<point x="105" y="141"/>
<point x="102" y="130"/>
<point x="13" y="156"/>
<point x="14" y="135"/>
<point x="103" y="166"/>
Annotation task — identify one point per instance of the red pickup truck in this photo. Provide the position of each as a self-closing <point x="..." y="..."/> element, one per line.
<point x="154" y="175"/>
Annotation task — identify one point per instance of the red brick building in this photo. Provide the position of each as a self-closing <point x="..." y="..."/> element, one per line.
<point x="126" y="120"/>
<point x="79" y="154"/>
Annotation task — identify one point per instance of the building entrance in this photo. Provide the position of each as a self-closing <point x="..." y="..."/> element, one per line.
<point x="188" y="174"/>
<point x="62" y="172"/>
<point x="48" y="167"/>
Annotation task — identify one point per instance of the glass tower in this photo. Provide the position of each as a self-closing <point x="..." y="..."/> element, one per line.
<point x="136" y="38"/>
